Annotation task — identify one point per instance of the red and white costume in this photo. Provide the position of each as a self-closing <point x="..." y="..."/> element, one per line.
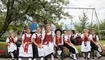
<point x="48" y="42"/>
<point x="27" y="50"/>
<point x="96" y="39"/>
<point x="85" y="46"/>
<point x="12" y="46"/>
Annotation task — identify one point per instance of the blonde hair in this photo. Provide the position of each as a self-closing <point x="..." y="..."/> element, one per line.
<point x="85" y="30"/>
<point x="10" y="31"/>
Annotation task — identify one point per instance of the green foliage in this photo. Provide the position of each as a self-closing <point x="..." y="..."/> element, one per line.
<point x="38" y="9"/>
<point x="83" y="23"/>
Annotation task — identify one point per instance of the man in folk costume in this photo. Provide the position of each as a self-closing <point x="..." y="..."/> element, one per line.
<point x="85" y="46"/>
<point x="95" y="44"/>
<point x="70" y="46"/>
<point x="58" y="42"/>
<point x="48" y="37"/>
<point x="11" y="40"/>
<point x="25" y="50"/>
<point x="37" y="44"/>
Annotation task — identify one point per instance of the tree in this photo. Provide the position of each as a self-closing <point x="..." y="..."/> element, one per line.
<point x="16" y="10"/>
<point x="83" y="23"/>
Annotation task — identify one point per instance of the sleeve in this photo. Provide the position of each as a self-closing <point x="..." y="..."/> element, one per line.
<point x="97" y="38"/>
<point x="82" y="36"/>
<point x="16" y="38"/>
<point x="43" y="35"/>
<point x="54" y="41"/>
<point x="91" y="37"/>
<point x="62" y="40"/>
<point x="7" y="40"/>
<point x="66" y="37"/>
<point x="33" y="36"/>
<point x="75" y="36"/>
<point x="23" y="36"/>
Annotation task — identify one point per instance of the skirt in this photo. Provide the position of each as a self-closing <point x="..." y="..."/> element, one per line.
<point x="26" y="54"/>
<point x="12" y="47"/>
<point x="86" y="48"/>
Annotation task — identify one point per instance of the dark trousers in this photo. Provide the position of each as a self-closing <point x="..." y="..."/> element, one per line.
<point x="35" y="51"/>
<point x="71" y="49"/>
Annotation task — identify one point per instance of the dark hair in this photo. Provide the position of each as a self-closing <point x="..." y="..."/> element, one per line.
<point x="18" y="32"/>
<point x="58" y="30"/>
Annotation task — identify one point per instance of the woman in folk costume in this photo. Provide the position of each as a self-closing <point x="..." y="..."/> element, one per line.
<point x="37" y="44"/>
<point x="70" y="46"/>
<point x="95" y="44"/>
<point x="58" y="42"/>
<point x="48" y="37"/>
<point x="11" y="40"/>
<point x="77" y="37"/>
<point x="85" y="46"/>
<point x="25" y="49"/>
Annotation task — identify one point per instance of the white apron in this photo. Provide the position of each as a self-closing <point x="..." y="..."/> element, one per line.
<point x="85" y="48"/>
<point x="24" y="54"/>
<point x="12" y="47"/>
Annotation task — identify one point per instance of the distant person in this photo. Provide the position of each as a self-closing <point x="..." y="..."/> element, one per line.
<point x="19" y="41"/>
<point x="53" y="27"/>
<point x="77" y="37"/>
<point x="33" y="26"/>
<point x="24" y="30"/>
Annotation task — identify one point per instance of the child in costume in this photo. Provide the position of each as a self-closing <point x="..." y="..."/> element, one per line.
<point x="48" y="37"/>
<point x="25" y="50"/>
<point x="95" y="43"/>
<point x="11" y="40"/>
<point x="85" y="46"/>
<point x="70" y="46"/>
<point x="58" y="42"/>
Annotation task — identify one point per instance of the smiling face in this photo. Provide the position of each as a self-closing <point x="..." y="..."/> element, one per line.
<point x="38" y="30"/>
<point x="48" y="28"/>
<point x="28" y="30"/>
<point x="68" y="32"/>
<point x="92" y="31"/>
<point x="86" y="30"/>
<point x="58" y="33"/>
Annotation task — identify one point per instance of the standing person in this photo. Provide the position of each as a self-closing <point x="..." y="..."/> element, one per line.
<point x="19" y="42"/>
<point x="58" y="42"/>
<point x="70" y="46"/>
<point x="77" y="37"/>
<point x="11" y="40"/>
<point x="25" y="49"/>
<point x="33" y="26"/>
<point x="24" y="30"/>
<point x="48" y="37"/>
<point x="37" y="44"/>
<point x="85" y="46"/>
<point x="95" y="43"/>
<point x="53" y="27"/>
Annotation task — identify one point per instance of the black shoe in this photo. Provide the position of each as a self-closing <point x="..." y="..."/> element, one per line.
<point x="99" y="57"/>
<point x="88" y="58"/>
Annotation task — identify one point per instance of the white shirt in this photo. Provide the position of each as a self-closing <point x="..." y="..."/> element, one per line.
<point x="93" y="36"/>
<point x="7" y="40"/>
<point x="27" y="35"/>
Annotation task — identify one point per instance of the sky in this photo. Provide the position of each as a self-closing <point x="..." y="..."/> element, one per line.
<point x="99" y="5"/>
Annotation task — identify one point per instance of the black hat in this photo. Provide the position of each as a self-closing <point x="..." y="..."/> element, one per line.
<point x="58" y="30"/>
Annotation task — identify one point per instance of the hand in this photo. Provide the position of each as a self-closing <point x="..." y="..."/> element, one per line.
<point x="40" y="46"/>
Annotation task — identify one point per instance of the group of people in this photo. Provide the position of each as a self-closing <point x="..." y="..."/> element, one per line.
<point x="41" y="43"/>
